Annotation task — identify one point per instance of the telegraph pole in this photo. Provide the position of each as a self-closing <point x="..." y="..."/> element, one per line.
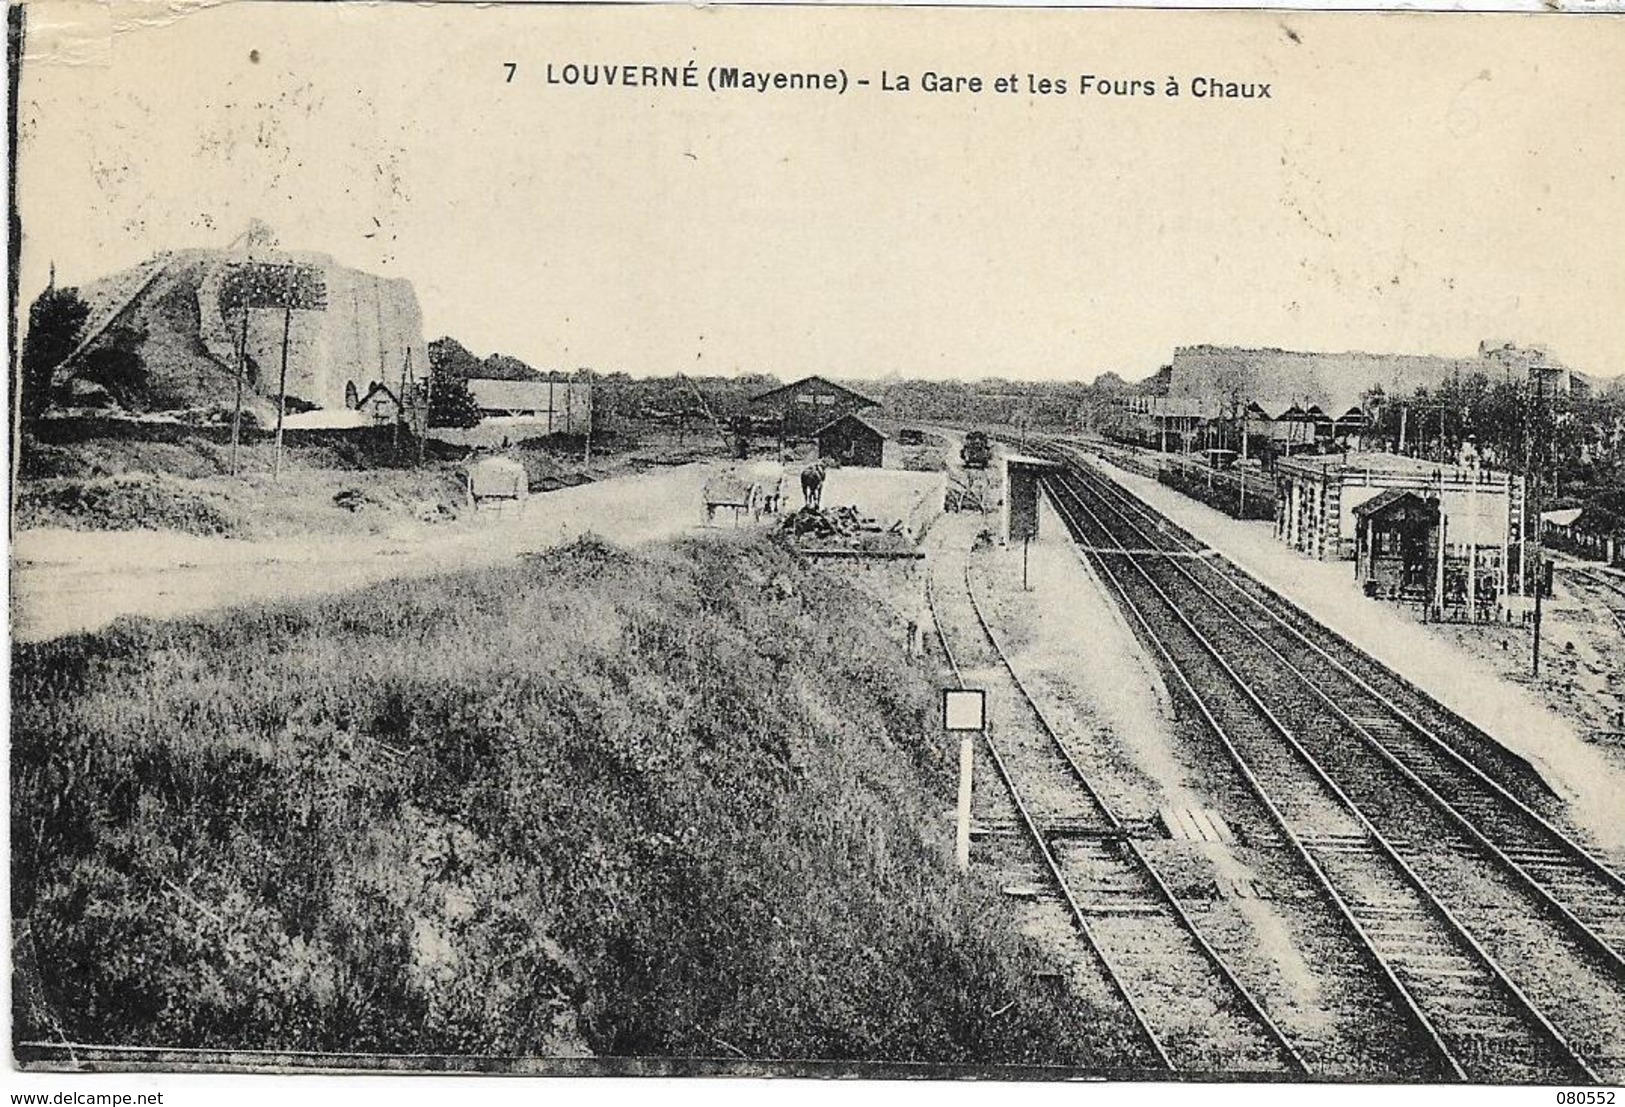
<point x="1537" y="435"/>
<point x="1540" y="587"/>
<point x="1438" y="580"/>
<point x="242" y="371"/>
<point x="273" y="285"/>
<point x="282" y="391"/>
<point x="428" y="408"/>
<point x="592" y="411"/>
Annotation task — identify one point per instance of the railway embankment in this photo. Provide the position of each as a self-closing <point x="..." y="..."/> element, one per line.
<point x="683" y="801"/>
<point x="1591" y="783"/>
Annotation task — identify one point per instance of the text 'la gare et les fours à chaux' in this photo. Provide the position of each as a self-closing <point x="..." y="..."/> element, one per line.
<point x="732" y="78"/>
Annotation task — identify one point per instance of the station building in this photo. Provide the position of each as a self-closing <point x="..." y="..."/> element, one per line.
<point x="1329" y="505"/>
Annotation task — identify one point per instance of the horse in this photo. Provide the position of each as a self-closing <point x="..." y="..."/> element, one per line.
<point x="812" y="484"/>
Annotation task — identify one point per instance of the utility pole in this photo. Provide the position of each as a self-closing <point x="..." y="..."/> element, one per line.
<point x="428" y="408"/>
<point x="1438" y="580"/>
<point x="1543" y="577"/>
<point x="242" y="371"/>
<point x="1542" y="566"/>
<point x="1472" y="544"/>
<point x="400" y="405"/>
<point x="282" y="391"/>
<point x="1241" y="473"/>
<point x="592" y="411"/>
<point x="276" y="285"/>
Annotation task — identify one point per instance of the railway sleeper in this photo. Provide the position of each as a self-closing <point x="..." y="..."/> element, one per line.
<point x="1460" y="981"/>
<point x="991" y="829"/>
<point x="1539" y="855"/>
<point x="1107" y="910"/>
<point x="1062" y="827"/>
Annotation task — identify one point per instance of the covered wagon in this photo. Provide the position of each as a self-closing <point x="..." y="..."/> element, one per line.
<point x="728" y="489"/>
<point x="498" y="480"/>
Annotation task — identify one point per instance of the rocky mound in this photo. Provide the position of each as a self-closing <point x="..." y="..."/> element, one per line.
<point x="169" y="311"/>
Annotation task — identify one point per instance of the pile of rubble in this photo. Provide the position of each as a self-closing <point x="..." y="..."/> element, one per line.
<point x="843" y="528"/>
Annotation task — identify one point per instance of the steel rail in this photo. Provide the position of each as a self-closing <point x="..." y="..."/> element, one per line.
<point x="1553" y="1034"/>
<point x="1273" y="1031"/>
<point x="1596" y="578"/>
<point x="1542" y="827"/>
<point x="1048" y="856"/>
<point x="1453" y="927"/>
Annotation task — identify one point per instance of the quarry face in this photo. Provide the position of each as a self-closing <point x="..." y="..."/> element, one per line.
<point x="371" y="329"/>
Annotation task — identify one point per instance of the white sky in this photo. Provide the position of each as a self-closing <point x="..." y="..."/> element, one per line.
<point x="1416" y="184"/>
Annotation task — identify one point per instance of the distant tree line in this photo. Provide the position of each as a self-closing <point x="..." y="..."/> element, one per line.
<point x="1573" y="444"/>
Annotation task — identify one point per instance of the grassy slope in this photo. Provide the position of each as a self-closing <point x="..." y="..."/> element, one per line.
<point x="683" y="802"/>
<point x="91" y="474"/>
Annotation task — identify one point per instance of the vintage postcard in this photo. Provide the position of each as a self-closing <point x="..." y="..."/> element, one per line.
<point x="817" y="541"/>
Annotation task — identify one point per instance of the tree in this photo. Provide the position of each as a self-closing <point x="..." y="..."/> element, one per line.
<point x="116" y="364"/>
<point x="453" y="404"/>
<point x="449" y="359"/>
<point x="55" y="323"/>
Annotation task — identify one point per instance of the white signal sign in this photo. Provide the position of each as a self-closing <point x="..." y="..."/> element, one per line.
<point x="964" y="709"/>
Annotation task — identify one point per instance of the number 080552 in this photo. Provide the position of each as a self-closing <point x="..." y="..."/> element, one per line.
<point x="1586" y="1099"/>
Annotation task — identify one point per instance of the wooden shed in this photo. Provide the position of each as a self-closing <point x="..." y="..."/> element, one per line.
<point x="1396" y="543"/>
<point x="851" y="441"/>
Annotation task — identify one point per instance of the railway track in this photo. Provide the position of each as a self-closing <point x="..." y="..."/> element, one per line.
<point x="1196" y="1016"/>
<point x="1411" y="735"/>
<point x="1431" y="860"/>
<point x="1612" y="590"/>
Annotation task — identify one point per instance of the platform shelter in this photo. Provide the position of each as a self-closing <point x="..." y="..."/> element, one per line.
<point x="1021" y="477"/>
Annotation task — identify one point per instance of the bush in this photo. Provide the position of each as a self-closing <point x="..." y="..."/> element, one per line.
<point x="135" y="501"/>
<point x="55" y="322"/>
<point x="452" y="404"/>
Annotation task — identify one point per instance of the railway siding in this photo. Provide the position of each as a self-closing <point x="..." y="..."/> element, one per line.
<point x="1196" y="1016"/>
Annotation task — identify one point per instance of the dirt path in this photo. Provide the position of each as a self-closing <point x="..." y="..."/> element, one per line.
<point x="65" y="581"/>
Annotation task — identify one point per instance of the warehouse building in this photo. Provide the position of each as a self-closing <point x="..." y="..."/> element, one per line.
<point x="848" y="440"/>
<point x="806" y="406"/>
<point x="513" y="411"/>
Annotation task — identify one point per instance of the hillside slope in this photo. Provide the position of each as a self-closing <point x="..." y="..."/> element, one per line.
<point x="681" y="803"/>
